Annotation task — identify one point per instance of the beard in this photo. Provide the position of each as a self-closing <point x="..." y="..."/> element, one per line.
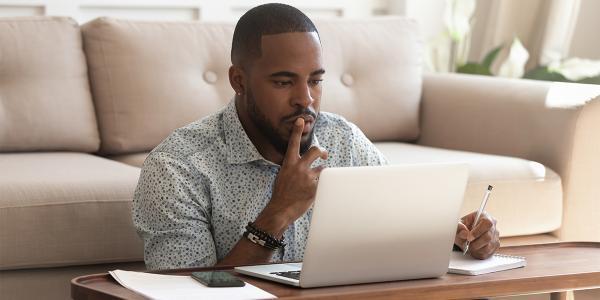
<point x="278" y="139"/>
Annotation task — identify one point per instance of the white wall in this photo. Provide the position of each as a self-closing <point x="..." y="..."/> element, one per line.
<point x="181" y="10"/>
<point x="427" y="12"/>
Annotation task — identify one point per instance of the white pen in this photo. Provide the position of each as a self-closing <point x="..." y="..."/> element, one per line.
<point x="486" y="196"/>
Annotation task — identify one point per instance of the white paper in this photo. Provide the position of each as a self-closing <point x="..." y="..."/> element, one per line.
<point x="464" y="264"/>
<point x="163" y="287"/>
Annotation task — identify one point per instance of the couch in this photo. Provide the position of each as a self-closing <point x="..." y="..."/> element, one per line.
<point x="82" y="106"/>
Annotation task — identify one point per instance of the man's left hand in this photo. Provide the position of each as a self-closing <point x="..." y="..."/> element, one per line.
<point x="484" y="238"/>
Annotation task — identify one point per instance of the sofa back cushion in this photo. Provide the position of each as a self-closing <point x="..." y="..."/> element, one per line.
<point x="373" y="74"/>
<point x="45" y="101"/>
<point x="149" y="78"/>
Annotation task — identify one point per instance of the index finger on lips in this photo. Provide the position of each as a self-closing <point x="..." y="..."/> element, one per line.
<point x="293" y="149"/>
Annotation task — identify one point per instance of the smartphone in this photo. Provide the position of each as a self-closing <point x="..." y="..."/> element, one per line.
<point x="217" y="279"/>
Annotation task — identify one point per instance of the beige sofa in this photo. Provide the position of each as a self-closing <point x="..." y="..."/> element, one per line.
<point x="81" y="106"/>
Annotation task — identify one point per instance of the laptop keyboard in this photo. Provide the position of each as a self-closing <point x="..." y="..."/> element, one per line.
<point x="288" y="274"/>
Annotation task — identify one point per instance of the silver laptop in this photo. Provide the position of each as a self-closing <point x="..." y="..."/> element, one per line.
<point x="374" y="224"/>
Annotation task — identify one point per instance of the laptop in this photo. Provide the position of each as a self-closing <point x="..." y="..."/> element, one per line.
<point x="376" y="224"/>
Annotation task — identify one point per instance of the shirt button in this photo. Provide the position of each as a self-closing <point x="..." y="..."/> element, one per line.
<point x="210" y="77"/>
<point x="347" y="79"/>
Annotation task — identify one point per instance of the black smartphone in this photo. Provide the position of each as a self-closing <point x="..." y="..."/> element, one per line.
<point x="217" y="279"/>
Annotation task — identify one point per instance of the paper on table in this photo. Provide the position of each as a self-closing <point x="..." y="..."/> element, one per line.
<point x="157" y="286"/>
<point x="466" y="265"/>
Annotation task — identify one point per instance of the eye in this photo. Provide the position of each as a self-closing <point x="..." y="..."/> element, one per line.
<point x="315" y="82"/>
<point x="279" y="83"/>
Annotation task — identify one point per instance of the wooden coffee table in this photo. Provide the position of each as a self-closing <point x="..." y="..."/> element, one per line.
<point x="551" y="268"/>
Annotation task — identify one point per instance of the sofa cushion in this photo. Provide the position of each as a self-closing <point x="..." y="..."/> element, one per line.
<point x="544" y="238"/>
<point x="373" y="75"/>
<point x="45" y="101"/>
<point x="134" y="159"/>
<point x="527" y="196"/>
<point x="54" y="283"/>
<point x="65" y="209"/>
<point x="149" y="78"/>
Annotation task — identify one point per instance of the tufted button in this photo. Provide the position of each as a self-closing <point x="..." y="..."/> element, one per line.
<point x="210" y="76"/>
<point x="347" y="79"/>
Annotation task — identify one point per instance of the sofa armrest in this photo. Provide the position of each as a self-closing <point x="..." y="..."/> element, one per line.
<point x="557" y="124"/>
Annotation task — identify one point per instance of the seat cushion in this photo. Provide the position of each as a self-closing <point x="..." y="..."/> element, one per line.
<point x="134" y="159"/>
<point x="544" y="238"/>
<point x="45" y="100"/>
<point x="65" y="209"/>
<point x="54" y="283"/>
<point x="527" y="196"/>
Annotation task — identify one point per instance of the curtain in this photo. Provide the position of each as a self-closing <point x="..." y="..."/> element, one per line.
<point x="545" y="27"/>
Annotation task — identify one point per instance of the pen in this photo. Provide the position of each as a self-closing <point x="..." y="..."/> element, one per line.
<point x="486" y="196"/>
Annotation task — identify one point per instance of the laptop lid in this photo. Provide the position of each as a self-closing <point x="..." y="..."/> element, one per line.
<point x="374" y="224"/>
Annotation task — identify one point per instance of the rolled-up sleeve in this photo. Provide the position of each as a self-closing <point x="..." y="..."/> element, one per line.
<point x="171" y="213"/>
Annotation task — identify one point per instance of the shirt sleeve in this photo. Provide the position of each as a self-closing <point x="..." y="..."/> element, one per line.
<point x="364" y="153"/>
<point x="171" y="211"/>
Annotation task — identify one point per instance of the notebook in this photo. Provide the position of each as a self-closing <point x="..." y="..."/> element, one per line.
<point x="466" y="265"/>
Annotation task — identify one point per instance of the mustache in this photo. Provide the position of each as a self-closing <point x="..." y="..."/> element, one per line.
<point x="300" y="113"/>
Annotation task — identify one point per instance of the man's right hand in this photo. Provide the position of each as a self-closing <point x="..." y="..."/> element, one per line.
<point x="295" y="185"/>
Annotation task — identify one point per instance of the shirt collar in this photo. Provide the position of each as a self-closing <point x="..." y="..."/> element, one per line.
<point x="240" y="148"/>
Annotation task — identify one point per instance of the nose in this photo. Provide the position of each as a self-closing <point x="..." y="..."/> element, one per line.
<point x="302" y="96"/>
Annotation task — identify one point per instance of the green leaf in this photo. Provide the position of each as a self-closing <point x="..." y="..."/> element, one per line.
<point x="542" y="73"/>
<point x="490" y="57"/>
<point x="590" y="80"/>
<point x="474" y="68"/>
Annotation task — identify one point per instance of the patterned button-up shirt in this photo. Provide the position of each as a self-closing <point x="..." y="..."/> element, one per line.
<point x="201" y="186"/>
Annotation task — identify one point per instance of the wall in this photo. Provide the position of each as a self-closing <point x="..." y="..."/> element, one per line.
<point x="427" y="12"/>
<point x="181" y="10"/>
<point x="496" y="21"/>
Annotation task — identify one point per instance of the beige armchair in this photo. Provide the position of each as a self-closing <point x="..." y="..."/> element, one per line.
<point x="557" y="125"/>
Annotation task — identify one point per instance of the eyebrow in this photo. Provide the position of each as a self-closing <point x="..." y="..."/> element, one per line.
<point x="292" y="74"/>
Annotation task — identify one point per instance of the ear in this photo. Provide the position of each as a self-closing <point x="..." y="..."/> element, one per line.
<point x="237" y="79"/>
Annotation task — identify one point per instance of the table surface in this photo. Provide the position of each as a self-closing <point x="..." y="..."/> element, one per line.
<point x="551" y="267"/>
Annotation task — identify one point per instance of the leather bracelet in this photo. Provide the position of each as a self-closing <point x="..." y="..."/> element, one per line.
<point x="262" y="238"/>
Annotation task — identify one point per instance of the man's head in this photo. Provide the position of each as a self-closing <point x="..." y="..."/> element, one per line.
<point x="277" y="72"/>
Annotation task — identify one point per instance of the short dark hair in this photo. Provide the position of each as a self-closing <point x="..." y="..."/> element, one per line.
<point x="272" y="18"/>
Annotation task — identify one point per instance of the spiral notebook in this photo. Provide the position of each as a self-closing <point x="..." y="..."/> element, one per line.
<point x="466" y="265"/>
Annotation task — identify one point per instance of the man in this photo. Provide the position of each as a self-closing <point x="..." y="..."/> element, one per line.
<point x="232" y="188"/>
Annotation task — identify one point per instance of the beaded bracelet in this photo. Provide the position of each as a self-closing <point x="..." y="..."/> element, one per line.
<point x="262" y="238"/>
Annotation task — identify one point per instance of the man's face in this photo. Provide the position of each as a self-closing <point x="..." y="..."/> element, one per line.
<point x="285" y="84"/>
